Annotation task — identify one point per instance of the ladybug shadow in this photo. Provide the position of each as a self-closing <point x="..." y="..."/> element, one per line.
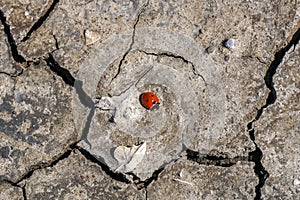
<point x="140" y="100"/>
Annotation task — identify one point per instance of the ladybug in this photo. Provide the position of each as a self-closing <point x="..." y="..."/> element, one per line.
<point x="149" y="101"/>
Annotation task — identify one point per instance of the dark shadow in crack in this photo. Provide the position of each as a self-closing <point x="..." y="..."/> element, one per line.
<point x="40" y="21"/>
<point x="87" y="101"/>
<point x="29" y="173"/>
<point x="205" y="159"/>
<point x="12" y="43"/>
<point x="257" y="155"/>
<point x="144" y="184"/>
<point x="60" y="71"/>
<point x="114" y="175"/>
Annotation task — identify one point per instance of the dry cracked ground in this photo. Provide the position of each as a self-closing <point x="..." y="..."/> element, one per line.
<point x="72" y="126"/>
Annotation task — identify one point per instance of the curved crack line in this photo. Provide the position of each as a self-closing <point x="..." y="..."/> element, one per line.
<point x="52" y="163"/>
<point x="24" y="192"/>
<point x="134" y="83"/>
<point x="143" y="184"/>
<point x="257" y="155"/>
<point x="13" y="75"/>
<point x="132" y="42"/>
<point x="167" y="54"/>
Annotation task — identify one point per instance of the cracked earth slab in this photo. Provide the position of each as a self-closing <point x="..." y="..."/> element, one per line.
<point x="75" y="177"/>
<point x="210" y="23"/>
<point x="242" y="76"/>
<point x="36" y="121"/>
<point x="7" y="65"/>
<point x="7" y="191"/>
<point x="277" y="131"/>
<point x="188" y="180"/>
<point x="70" y="32"/>
<point x="196" y="105"/>
<point x="22" y="15"/>
<point x="87" y="23"/>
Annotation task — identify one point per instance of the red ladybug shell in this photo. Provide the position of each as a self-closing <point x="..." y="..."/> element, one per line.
<point x="149" y="100"/>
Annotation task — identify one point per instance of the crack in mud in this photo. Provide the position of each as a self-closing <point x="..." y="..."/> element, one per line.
<point x="273" y="67"/>
<point x="144" y="184"/>
<point x="24" y="192"/>
<point x="114" y="175"/>
<point x="63" y="156"/>
<point x="132" y="42"/>
<point x="40" y="21"/>
<point x="13" y="75"/>
<point x="56" y="44"/>
<point x="12" y="43"/>
<point x="254" y="156"/>
<point x="257" y="155"/>
<point x="52" y="163"/>
<point x="168" y="54"/>
<point x="60" y="71"/>
<point x="205" y="159"/>
<point x="18" y="186"/>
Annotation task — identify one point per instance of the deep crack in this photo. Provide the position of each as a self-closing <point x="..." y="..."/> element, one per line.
<point x="144" y="184"/>
<point x="40" y="21"/>
<point x="257" y="155"/>
<point x="24" y="192"/>
<point x="12" y="43"/>
<point x="33" y="168"/>
<point x="274" y="65"/>
<point x="114" y="175"/>
<point x="60" y="71"/>
<point x="204" y="159"/>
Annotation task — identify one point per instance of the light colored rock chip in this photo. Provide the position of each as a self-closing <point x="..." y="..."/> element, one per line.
<point x="129" y="157"/>
<point x="229" y="43"/>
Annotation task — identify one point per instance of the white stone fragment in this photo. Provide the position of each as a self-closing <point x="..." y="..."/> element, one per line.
<point x="129" y="157"/>
<point x="91" y="37"/>
<point x="229" y="43"/>
<point x="296" y="182"/>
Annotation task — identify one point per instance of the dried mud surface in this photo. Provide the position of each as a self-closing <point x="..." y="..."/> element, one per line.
<point x="71" y="76"/>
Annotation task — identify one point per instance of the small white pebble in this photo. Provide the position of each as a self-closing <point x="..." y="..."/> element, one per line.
<point x="26" y="13"/>
<point x="180" y="173"/>
<point x="229" y="43"/>
<point x="296" y="182"/>
<point x="182" y="181"/>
